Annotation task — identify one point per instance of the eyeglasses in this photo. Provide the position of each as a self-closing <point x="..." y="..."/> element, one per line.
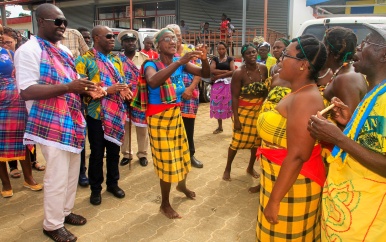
<point x="284" y="54"/>
<point x="370" y="43"/>
<point x="8" y="42"/>
<point x="58" y="22"/>
<point x="168" y="39"/>
<point x="108" y="36"/>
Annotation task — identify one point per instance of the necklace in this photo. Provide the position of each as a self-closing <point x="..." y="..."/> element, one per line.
<point x="257" y="67"/>
<point x="222" y="59"/>
<point x="325" y="74"/>
<point x="308" y="85"/>
<point x="337" y="70"/>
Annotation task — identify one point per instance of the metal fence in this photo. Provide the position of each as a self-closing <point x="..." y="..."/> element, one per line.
<point x="234" y="41"/>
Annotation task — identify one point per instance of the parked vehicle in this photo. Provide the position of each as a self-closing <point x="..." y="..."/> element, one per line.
<point x="317" y="27"/>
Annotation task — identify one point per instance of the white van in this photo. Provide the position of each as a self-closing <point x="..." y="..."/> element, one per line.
<point x="142" y="34"/>
<point x="317" y="27"/>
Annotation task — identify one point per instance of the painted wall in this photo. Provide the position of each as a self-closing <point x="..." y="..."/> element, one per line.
<point x="364" y="10"/>
<point x="23" y="26"/>
<point x="298" y="13"/>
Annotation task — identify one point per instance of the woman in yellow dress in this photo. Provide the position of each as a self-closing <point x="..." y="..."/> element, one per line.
<point x="248" y="89"/>
<point x="292" y="168"/>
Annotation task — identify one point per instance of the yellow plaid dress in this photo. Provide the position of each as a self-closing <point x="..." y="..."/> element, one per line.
<point x="300" y="212"/>
<point x="247" y="137"/>
<point x="169" y="145"/>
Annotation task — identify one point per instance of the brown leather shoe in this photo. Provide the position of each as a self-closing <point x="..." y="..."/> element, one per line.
<point x="60" y="235"/>
<point x="75" y="219"/>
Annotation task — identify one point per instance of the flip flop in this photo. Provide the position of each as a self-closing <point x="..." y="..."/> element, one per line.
<point x="15" y="173"/>
<point x="217" y="131"/>
<point x="37" y="166"/>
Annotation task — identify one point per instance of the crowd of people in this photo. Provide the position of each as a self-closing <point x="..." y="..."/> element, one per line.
<point x="310" y="112"/>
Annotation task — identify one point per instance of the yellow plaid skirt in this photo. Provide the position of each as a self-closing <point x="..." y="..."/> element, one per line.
<point x="247" y="137"/>
<point x="299" y="213"/>
<point x="169" y="145"/>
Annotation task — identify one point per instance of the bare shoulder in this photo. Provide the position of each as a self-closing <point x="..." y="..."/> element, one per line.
<point x="309" y="102"/>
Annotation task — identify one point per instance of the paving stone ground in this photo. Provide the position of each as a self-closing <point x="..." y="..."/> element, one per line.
<point x="223" y="211"/>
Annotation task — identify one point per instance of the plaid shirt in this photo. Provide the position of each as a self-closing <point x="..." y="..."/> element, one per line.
<point x="106" y="71"/>
<point x="57" y="122"/>
<point x="189" y="107"/>
<point x="73" y="40"/>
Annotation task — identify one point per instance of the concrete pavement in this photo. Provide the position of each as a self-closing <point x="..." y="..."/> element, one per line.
<point x="222" y="211"/>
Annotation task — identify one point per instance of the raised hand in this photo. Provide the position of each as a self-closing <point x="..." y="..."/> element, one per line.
<point x="98" y="93"/>
<point x="204" y="50"/>
<point x="81" y="86"/>
<point x="193" y="55"/>
<point x="341" y="112"/>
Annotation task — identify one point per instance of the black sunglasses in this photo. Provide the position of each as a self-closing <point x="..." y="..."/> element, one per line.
<point x="58" y="22"/>
<point x="108" y="36"/>
<point x="284" y="54"/>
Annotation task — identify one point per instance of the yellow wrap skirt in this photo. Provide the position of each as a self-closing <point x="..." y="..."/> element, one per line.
<point x="247" y="137"/>
<point x="300" y="212"/>
<point x="169" y="145"/>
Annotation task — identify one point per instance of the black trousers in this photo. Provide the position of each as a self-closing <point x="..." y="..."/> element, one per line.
<point x="98" y="144"/>
<point x="189" y="128"/>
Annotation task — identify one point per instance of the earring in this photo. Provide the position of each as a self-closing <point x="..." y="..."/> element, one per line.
<point x="301" y="68"/>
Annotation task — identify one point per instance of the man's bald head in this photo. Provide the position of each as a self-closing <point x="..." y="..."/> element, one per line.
<point x="99" y="30"/>
<point x="43" y="10"/>
<point x="103" y="38"/>
<point x="51" y="22"/>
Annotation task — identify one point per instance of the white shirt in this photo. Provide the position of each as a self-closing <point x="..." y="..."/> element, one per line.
<point x="27" y="65"/>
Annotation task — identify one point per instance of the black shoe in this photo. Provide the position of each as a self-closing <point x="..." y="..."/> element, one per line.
<point x="196" y="163"/>
<point x="143" y="161"/>
<point x="61" y="234"/>
<point x="95" y="198"/>
<point x="125" y="161"/>
<point x="83" y="180"/>
<point x="116" y="191"/>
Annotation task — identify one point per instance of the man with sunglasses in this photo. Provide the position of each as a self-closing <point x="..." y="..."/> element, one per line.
<point x="106" y="116"/>
<point x="132" y="61"/>
<point x="47" y="80"/>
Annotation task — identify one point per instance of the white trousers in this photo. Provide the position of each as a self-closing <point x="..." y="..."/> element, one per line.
<point x="142" y="141"/>
<point x="60" y="184"/>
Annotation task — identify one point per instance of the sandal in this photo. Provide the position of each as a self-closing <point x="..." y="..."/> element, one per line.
<point x="217" y="131"/>
<point x="37" y="166"/>
<point x="75" y="219"/>
<point x="15" y="173"/>
<point x="60" y="235"/>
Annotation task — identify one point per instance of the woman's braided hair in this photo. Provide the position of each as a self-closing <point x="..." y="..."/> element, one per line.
<point x="341" y="42"/>
<point x="312" y="50"/>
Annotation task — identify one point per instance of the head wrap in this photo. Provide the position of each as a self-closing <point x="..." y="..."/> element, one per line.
<point x="159" y="34"/>
<point x="245" y="47"/>
<point x="266" y="44"/>
<point x="258" y="39"/>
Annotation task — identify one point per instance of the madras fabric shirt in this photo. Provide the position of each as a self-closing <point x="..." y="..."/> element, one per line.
<point x="189" y="107"/>
<point x="58" y="121"/>
<point x="167" y="91"/>
<point x="106" y="71"/>
<point x="132" y="73"/>
<point x="73" y="40"/>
